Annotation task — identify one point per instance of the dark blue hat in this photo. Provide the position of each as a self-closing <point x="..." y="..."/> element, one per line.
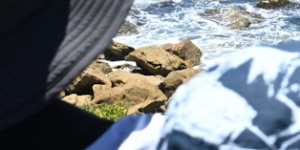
<point x="45" y="44"/>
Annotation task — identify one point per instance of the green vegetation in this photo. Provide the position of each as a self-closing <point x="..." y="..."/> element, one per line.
<point x="111" y="112"/>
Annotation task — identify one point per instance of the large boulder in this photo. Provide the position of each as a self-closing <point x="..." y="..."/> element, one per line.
<point x="270" y="4"/>
<point x="78" y="100"/>
<point x="133" y="90"/>
<point x="117" y="51"/>
<point x="104" y="93"/>
<point x="186" y="50"/>
<point x="84" y="82"/>
<point x="175" y="79"/>
<point x="157" y="60"/>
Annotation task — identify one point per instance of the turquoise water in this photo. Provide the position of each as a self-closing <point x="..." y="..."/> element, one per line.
<point x="162" y="21"/>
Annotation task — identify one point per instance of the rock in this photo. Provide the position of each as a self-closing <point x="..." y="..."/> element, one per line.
<point x="237" y="18"/>
<point x="101" y="66"/>
<point x="128" y="28"/>
<point x="135" y="90"/>
<point x="83" y="84"/>
<point x="118" y="51"/>
<point x="157" y="60"/>
<point x="104" y="93"/>
<point x="101" y="93"/>
<point x="175" y="79"/>
<point x="233" y="17"/>
<point x="121" y="77"/>
<point x="270" y="4"/>
<point x="78" y="100"/>
<point x="239" y="22"/>
<point x="240" y="17"/>
<point x="186" y="50"/>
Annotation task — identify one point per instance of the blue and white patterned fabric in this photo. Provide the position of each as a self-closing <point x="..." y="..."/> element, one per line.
<point x="247" y="100"/>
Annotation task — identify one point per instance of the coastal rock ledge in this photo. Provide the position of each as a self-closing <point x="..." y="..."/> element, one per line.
<point x="147" y="87"/>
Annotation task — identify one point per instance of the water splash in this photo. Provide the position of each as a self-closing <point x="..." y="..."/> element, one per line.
<point x="162" y="21"/>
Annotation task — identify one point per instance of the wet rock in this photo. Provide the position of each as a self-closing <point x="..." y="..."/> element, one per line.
<point x="118" y="51"/>
<point x="270" y="4"/>
<point x="238" y="18"/>
<point x="128" y="28"/>
<point x="233" y="17"/>
<point x="186" y="50"/>
<point x="84" y="82"/>
<point x="78" y="100"/>
<point x="135" y="90"/>
<point x="157" y="60"/>
<point x="175" y="79"/>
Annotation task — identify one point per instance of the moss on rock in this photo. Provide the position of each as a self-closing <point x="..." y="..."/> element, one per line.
<point x="112" y="112"/>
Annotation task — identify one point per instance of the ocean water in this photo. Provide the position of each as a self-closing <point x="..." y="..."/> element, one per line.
<point x="170" y="21"/>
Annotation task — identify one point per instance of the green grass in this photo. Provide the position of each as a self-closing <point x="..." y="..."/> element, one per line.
<point x="112" y="112"/>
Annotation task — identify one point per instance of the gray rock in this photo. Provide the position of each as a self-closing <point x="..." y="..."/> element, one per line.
<point x="233" y="17"/>
<point x="128" y="28"/>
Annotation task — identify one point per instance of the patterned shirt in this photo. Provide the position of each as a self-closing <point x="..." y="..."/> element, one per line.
<point x="247" y="100"/>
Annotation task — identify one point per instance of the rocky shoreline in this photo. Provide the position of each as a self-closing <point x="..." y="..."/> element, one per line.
<point x="125" y="80"/>
<point x="142" y="80"/>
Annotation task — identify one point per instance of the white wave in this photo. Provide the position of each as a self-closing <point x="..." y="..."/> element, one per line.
<point x="181" y="20"/>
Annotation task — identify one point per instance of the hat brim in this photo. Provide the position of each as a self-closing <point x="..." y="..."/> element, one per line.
<point x="92" y="25"/>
